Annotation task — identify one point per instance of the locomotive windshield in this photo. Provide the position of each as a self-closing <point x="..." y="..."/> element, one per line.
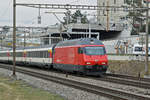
<point x="95" y="51"/>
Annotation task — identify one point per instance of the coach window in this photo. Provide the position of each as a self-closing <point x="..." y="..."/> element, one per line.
<point x="28" y="54"/>
<point x="16" y="54"/>
<point x="35" y="53"/>
<point x="43" y="54"/>
<point x="47" y="54"/>
<point x="32" y="54"/>
<point x="38" y="54"/>
<point x="1" y="54"/>
<point x="20" y="54"/>
<point x="11" y="54"/>
<point x="80" y="50"/>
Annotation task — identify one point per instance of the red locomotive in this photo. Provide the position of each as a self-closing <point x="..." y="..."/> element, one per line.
<point x="81" y="55"/>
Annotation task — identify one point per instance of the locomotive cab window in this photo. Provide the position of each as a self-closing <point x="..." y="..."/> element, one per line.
<point x="95" y="51"/>
<point x="80" y="50"/>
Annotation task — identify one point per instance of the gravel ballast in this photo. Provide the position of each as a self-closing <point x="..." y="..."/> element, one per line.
<point x="66" y="92"/>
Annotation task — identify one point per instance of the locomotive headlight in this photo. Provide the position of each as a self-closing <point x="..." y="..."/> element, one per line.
<point x="103" y="63"/>
<point x="88" y="63"/>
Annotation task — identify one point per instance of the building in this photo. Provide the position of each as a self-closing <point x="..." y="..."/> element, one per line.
<point x="112" y="18"/>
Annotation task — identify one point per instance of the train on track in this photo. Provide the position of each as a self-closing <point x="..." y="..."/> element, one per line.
<point x="86" y="55"/>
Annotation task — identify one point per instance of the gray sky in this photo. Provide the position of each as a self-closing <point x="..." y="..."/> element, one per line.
<point x="28" y="16"/>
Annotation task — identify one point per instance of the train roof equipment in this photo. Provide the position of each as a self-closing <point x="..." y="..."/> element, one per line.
<point x="82" y="41"/>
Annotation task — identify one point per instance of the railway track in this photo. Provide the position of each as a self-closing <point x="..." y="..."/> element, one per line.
<point x="128" y="77"/>
<point x="103" y="91"/>
<point x="119" y="79"/>
<point x="126" y="80"/>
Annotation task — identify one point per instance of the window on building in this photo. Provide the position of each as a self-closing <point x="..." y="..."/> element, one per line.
<point x="125" y="1"/>
<point x="114" y="1"/>
<point x="103" y="12"/>
<point x="103" y="3"/>
<point x="114" y="10"/>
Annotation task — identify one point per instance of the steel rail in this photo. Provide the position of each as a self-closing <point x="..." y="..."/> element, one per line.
<point x="103" y="91"/>
<point x="122" y="79"/>
<point x="128" y="77"/>
<point x="138" y="83"/>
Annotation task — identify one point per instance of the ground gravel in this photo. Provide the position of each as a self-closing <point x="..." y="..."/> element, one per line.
<point x="130" y="89"/>
<point x="75" y="94"/>
<point x="66" y="92"/>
